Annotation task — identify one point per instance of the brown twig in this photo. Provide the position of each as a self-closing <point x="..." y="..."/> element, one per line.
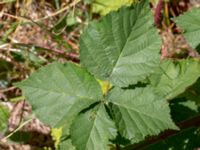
<point x="7" y="89"/>
<point x="69" y="55"/>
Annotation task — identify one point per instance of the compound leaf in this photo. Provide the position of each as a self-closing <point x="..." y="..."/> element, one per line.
<point x="123" y="47"/>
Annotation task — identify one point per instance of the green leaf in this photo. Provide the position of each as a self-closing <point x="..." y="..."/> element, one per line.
<point x="11" y="29"/>
<point x="190" y="105"/>
<point x="190" y="23"/>
<point x="61" y="25"/>
<point x="93" y="129"/>
<point x="123" y="47"/>
<point x="193" y="92"/>
<point x="175" y="77"/>
<point x="105" y="6"/>
<point x="4" y="115"/>
<point x="140" y="112"/>
<point x="66" y="145"/>
<point x="58" y="92"/>
<point x="182" y="109"/>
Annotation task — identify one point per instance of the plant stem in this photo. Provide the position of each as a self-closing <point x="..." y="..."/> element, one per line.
<point x="166" y="13"/>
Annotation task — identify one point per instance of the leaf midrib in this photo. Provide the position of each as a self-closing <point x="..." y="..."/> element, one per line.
<point x="61" y="93"/>
<point x="115" y="64"/>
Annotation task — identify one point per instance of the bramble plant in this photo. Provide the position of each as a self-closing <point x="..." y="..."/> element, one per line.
<point x="121" y="51"/>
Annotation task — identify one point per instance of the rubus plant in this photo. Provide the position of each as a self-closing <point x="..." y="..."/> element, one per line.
<point x="121" y="90"/>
